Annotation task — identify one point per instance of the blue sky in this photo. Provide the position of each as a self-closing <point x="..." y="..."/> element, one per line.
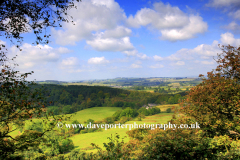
<point x="134" y="38"/>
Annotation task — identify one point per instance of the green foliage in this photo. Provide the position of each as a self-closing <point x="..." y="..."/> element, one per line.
<point x="35" y="126"/>
<point x="129" y="104"/>
<point x="114" y="149"/>
<point x="215" y="103"/>
<point x="90" y="121"/>
<point x="53" y="109"/>
<point x="65" y="145"/>
<point x="129" y="112"/>
<point x="173" y="144"/>
<point x="116" y="115"/>
<point x="66" y="109"/>
<point x="141" y="116"/>
<point x="169" y="110"/>
<point x="18" y="103"/>
<point x="118" y="104"/>
<point x="226" y="147"/>
<point x="78" y="129"/>
<point x="138" y="133"/>
<point x="109" y="120"/>
<point x="124" y="119"/>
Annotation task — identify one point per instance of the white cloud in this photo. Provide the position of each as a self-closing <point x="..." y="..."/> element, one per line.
<point x="118" y="32"/>
<point x="142" y="56"/>
<point x="222" y="3"/>
<point x="173" y="57"/>
<point x="162" y="16"/>
<point x="111" y="44"/>
<point x="235" y="14"/>
<point x="31" y="56"/>
<point x="136" y="66"/>
<point x="195" y="26"/>
<point x="71" y="61"/>
<point x="98" y="60"/>
<point x="206" y="50"/>
<point x="228" y="38"/>
<point x="170" y="21"/>
<point x="157" y="66"/>
<point x="131" y="53"/>
<point x="157" y="58"/>
<point x="63" y="50"/>
<point x="90" y="16"/>
<point x="202" y="54"/>
<point x="180" y="63"/>
<point x="2" y="42"/>
<point x="233" y="26"/>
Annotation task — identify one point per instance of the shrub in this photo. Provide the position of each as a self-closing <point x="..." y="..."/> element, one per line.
<point x="168" y="110"/>
<point x="172" y="144"/>
<point x="66" y="145"/>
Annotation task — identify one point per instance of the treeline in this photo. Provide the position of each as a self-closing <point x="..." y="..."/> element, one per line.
<point x="73" y="98"/>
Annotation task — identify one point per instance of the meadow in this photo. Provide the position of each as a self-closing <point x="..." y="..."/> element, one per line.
<point x="83" y="141"/>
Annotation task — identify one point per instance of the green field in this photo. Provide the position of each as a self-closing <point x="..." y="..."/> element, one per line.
<point x="83" y="141"/>
<point x="95" y="113"/>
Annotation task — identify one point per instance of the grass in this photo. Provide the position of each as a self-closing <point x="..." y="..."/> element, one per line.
<point x="95" y="113"/>
<point x="83" y="141"/>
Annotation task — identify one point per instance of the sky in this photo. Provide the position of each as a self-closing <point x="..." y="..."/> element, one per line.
<point x="133" y="38"/>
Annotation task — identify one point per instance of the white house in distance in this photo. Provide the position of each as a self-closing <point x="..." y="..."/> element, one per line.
<point x="149" y="105"/>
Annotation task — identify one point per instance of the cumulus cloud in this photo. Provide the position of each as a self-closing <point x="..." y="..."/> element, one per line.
<point x="157" y="58"/>
<point x="91" y="16"/>
<point x="98" y="60"/>
<point x="233" y="26"/>
<point x="206" y="50"/>
<point x="131" y="53"/>
<point x="180" y="63"/>
<point x="203" y="51"/>
<point x="31" y="56"/>
<point x="173" y="57"/>
<point x="230" y="6"/>
<point x="228" y="38"/>
<point x="142" y="56"/>
<point x="111" y="44"/>
<point x="118" y="32"/>
<point x="201" y="54"/>
<point x="136" y="66"/>
<point x="222" y="3"/>
<point x="162" y="16"/>
<point x="71" y="61"/>
<point x="195" y="26"/>
<point x="172" y="23"/>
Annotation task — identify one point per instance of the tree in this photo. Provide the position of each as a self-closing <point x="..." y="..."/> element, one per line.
<point x="18" y="102"/>
<point x="168" y="110"/>
<point x="215" y="103"/>
<point x="21" y="16"/>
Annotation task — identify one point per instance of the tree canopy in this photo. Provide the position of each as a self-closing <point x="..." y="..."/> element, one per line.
<point x="17" y="101"/>
<point x="215" y="103"/>
<point x="21" y="16"/>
